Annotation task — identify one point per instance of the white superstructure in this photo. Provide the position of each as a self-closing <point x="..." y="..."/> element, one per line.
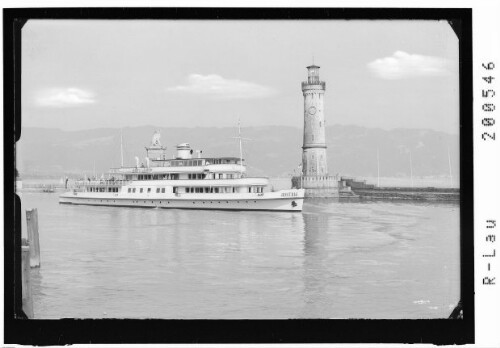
<point x="184" y="182"/>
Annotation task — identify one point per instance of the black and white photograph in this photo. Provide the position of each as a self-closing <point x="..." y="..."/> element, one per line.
<point x="282" y="170"/>
<point x="243" y="169"/>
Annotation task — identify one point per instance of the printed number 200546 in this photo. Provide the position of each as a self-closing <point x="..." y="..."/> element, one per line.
<point x="488" y="106"/>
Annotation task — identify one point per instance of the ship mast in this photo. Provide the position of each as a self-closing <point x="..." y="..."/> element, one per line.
<point x="241" y="146"/>
<point x="240" y="139"/>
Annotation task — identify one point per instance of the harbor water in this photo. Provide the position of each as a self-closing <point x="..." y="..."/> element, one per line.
<point x="336" y="259"/>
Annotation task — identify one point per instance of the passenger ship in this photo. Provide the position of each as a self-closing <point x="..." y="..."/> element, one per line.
<point x="184" y="182"/>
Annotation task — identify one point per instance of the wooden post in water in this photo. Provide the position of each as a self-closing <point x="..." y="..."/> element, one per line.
<point x="26" y="281"/>
<point x="33" y="240"/>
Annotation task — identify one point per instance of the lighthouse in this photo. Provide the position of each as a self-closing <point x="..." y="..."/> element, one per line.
<point x="314" y="177"/>
<point x="314" y="148"/>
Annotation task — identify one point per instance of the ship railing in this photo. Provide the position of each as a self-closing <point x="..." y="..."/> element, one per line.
<point x="101" y="183"/>
<point x="130" y="170"/>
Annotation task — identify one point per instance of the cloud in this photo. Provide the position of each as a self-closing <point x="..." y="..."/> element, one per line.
<point x="64" y="97"/>
<point x="404" y="65"/>
<point x="219" y="88"/>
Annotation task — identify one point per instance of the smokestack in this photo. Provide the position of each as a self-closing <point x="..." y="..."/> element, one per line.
<point x="136" y="162"/>
<point x="147" y="162"/>
<point x="184" y="151"/>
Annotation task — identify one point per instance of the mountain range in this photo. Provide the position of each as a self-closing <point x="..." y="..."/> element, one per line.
<point x="268" y="151"/>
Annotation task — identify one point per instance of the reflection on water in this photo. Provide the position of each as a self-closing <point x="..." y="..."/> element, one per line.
<point x="315" y="264"/>
<point x="337" y="259"/>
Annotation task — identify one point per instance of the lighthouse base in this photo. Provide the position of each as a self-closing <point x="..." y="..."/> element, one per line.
<point x="322" y="186"/>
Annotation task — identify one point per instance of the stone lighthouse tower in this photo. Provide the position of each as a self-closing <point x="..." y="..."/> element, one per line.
<point x="314" y="148"/>
<point x="314" y="177"/>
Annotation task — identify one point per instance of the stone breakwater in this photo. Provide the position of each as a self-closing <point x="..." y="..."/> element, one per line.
<point x="409" y="193"/>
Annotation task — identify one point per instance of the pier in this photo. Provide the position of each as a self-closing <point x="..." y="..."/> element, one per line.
<point x="317" y="186"/>
<point x="410" y="193"/>
<point x="369" y="191"/>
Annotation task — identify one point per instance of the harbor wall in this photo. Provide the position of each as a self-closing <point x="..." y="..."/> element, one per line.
<point x="368" y="191"/>
<point x="405" y="193"/>
<point x="322" y="193"/>
<point x="321" y="186"/>
<point x="318" y="182"/>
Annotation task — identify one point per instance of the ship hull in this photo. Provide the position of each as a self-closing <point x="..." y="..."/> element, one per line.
<point x="276" y="201"/>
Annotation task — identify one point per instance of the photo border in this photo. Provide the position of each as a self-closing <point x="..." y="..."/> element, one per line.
<point x="18" y="329"/>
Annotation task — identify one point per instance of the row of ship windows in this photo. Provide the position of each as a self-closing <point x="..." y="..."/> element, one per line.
<point x="203" y="202"/>
<point x="102" y="189"/>
<point x="254" y="189"/>
<point x="188" y="163"/>
<point x="209" y="189"/>
<point x="141" y="190"/>
<point x="175" y="176"/>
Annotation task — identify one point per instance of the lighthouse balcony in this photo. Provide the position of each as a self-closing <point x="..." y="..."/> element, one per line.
<point x="314" y="85"/>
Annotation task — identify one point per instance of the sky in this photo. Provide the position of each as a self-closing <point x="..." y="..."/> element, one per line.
<point x="84" y="74"/>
